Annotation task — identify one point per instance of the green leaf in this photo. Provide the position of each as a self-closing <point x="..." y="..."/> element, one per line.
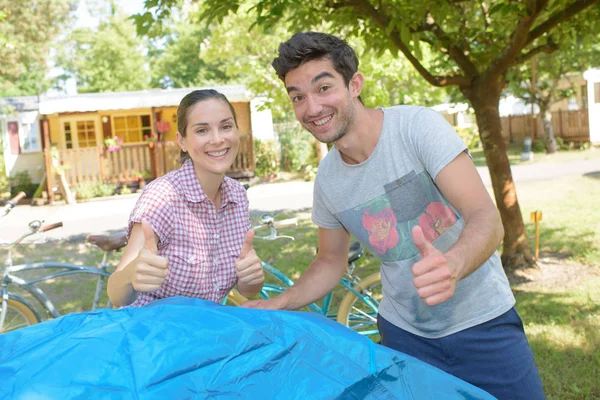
<point x="405" y="34"/>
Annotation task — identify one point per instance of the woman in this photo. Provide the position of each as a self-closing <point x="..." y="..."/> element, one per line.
<point x="189" y="232"/>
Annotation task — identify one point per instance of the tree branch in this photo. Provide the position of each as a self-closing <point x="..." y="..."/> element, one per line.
<point x="560" y="16"/>
<point x="485" y="14"/>
<point x="505" y="59"/>
<point x="548" y="48"/>
<point x="365" y="8"/>
<point x="454" y="51"/>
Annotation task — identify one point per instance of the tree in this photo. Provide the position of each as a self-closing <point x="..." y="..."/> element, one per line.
<point x="176" y="61"/>
<point x="109" y="58"/>
<point x="388" y="79"/>
<point x="547" y="79"/>
<point x="196" y="54"/>
<point x="28" y="29"/>
<point x="475" y="44"/>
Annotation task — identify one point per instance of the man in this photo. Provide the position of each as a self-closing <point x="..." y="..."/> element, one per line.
<point x="401" y="181"/>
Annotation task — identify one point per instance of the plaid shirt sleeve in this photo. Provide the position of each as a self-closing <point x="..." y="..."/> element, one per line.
<point x="246" y="208"/>
<point x="155" y="206"/>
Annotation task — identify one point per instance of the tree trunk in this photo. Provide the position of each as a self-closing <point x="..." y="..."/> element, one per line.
<point x="548" y="131"/>
<point x="321" y="150"/>
<point x="515" y="253"/>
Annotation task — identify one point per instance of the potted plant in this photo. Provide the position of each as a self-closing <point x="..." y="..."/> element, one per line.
<point x="113" y="143"/>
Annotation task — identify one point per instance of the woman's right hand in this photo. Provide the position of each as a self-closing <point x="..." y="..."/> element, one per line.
<point x="148" y="270"/>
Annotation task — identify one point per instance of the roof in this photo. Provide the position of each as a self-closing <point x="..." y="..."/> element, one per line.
<point x="129" y="100"/>
<point x="18" y="104"/>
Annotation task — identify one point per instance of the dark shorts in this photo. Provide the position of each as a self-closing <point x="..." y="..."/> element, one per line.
<point x="494" y="356"/>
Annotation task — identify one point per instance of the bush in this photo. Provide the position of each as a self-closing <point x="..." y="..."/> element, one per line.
<point x="297" y="148"/>
<point x="538" y="146"/>
<point x="125" y="189"/>
<point x="88" y="190"/>
<point x="266" y="158"/>
<point x="560" y="144"/>
<point x="4" y="186"/>
<point x="470" y="136"/>
<point x="21" y="182"/>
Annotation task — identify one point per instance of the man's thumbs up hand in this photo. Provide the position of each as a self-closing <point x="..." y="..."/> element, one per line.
<point x="248" y="266"/>
<point x="434" y="278"/>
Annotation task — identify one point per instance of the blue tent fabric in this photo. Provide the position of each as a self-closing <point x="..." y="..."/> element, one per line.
<point x="180" y="348"/>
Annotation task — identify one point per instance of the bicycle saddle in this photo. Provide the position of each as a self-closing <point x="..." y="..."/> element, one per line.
<point x="356" y="250"/>
<point x="114" y="241"/>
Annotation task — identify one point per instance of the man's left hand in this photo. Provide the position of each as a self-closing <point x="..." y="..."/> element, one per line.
<point x="434" y="277"/>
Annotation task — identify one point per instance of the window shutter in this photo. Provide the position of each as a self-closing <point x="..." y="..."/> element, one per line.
<point x="13" y="133"/>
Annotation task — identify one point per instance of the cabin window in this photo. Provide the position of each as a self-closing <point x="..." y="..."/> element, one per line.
<point x="29" y="137"/>
<point x="68" y="135"/>
<point x="132" y="128"/>
<point x="86" y="134"/>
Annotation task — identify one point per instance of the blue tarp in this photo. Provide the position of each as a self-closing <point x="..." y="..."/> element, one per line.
<point x="182" y="348"/>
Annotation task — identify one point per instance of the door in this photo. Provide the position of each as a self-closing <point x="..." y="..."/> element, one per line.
<point x="13" y="134"/>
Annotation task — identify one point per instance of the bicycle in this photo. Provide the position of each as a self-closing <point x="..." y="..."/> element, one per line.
<point x="16" y="311"/>
<point x="359" y="306"/>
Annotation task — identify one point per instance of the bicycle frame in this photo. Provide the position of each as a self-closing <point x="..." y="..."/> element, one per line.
<point x="8" y="270"/>
<point x="38" y="294"/>
<point x="349" y="284"/>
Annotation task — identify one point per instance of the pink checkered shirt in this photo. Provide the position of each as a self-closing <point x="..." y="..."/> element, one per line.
<point x="201" y="243"/>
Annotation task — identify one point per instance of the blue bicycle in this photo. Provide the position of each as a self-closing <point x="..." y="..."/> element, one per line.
<point x="359" y="305"/>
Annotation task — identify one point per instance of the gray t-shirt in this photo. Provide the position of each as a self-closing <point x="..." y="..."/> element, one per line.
<point x="379" y="202"/>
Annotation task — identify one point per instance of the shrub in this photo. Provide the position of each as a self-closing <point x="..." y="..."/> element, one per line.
<point x="21" y="182"/>
<point x="4" y="185"/>
<point x="88" y="190"/>
<point x="266" y="157"/>
<point x="125" y="189"/>
<point x="538" y="146"/>
<point x="560" y="144"/>
<point x="297" y="148"/>
<point x="470" y="136"/>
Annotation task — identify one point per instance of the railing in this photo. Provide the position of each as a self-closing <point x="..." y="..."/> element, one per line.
<point x="128" y="164"/>
<point x="134" y="161"/>
<point x="568" y="125"/>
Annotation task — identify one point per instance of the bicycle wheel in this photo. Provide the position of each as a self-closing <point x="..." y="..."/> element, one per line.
<point x="234" y="298"/>
<point x="356" y="313"/>
<point x="18" y="315"/>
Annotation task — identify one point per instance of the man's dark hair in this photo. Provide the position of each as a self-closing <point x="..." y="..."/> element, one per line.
<point x="308" y="46"/>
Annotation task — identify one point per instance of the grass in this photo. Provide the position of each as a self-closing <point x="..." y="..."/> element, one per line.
<point x="562" y="319"/>
<point x="563" y="327"/>
<point x="570" y="225"/>
<point x="514" y="156"/>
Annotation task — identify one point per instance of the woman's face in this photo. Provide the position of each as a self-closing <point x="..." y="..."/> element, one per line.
<point x="211" y="137"/>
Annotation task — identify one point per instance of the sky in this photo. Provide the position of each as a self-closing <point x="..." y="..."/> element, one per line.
<point x="85" y="19"/>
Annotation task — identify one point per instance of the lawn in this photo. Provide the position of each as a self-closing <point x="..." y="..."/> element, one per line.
<point x="560" y="308"/>
<point x="514" y="156"/>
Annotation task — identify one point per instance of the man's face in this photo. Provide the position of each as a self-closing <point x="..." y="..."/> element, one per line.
<point x="322" y="102"/>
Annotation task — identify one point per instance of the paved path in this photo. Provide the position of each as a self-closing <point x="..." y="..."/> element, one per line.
<point x="112" y="214"/>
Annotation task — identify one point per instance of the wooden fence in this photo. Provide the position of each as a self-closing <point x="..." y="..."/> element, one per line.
<point x="131" y="162"/>
<point x="571" y="126"/>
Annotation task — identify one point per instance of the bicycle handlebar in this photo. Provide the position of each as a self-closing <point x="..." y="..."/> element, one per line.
<point x="267" y="221"/>
<point x="17" y="198"/>
<point x="47" y="228"/>
<point x="12" y="203"/>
